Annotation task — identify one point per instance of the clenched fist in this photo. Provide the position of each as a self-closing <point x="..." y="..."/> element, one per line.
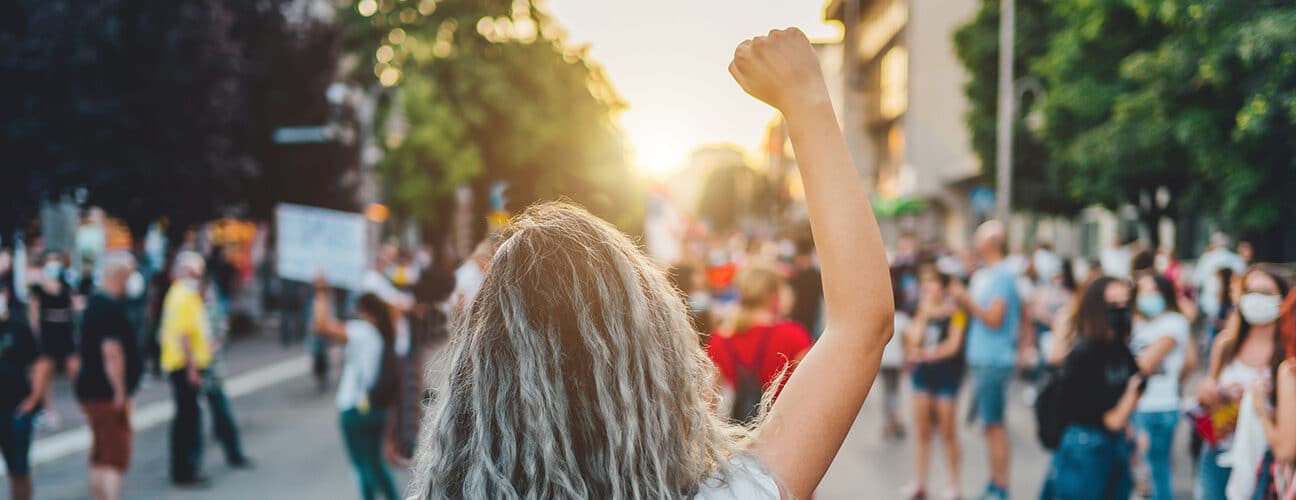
<point x="780" y="68"/>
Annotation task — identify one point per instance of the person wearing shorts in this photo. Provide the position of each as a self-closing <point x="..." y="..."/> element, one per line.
<point x="20" y="394"/>
<point x="994" y="313"/>
<point x="934" y="347"/>
<point x="110" y="368"/>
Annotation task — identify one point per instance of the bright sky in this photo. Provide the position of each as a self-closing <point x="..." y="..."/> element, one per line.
<point x="668" y="59"/>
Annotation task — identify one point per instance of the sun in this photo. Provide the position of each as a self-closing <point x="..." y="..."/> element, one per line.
<point x="656" y="151"/>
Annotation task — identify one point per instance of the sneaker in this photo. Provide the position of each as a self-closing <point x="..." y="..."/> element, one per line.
<point x="953" y="493"/>
<point x="244" y="463"/>
<point x="198" y="482"/>
<point x="913" y="492"/>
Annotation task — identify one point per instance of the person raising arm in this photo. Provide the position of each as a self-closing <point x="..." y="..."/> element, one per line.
<point x="782" y="70"/>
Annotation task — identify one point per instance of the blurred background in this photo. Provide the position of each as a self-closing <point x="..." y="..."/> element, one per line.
<point x="406" y="131"/>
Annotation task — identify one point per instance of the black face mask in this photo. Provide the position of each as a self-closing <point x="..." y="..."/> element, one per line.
<point x="1121" y="320"/>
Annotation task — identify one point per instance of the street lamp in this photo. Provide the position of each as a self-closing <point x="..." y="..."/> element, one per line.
<point x="1010" y="96"/>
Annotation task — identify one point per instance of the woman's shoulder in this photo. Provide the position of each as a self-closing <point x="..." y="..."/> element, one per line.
<point x="742" y="478"/>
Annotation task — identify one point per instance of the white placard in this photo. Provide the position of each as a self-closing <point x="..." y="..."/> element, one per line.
<point x="315" y="241"/>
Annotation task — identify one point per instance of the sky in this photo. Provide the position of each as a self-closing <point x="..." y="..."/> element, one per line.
<point x="668" y="60"/>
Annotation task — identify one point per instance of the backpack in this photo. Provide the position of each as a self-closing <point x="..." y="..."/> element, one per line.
<point x="749" y="389"/>
<point x="385" y="390"/>
<point x="1050" y="405"/>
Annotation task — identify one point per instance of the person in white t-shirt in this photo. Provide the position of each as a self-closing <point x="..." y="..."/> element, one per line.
<point x="364" y="399"/>
<point x="1160" y="341"/>
<point x="470" y="275"/>
<point x="376" y="282"/>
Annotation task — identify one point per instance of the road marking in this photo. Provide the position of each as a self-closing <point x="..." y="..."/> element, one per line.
<point x="62" y="444"/>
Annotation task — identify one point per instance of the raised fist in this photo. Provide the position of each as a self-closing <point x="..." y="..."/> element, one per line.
<point x="780" y="68"/>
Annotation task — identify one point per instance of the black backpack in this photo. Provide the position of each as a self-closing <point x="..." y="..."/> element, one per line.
<point x="1049" y="407"/>
<point x="749" y="389"/>
<point x="386" y="388"/>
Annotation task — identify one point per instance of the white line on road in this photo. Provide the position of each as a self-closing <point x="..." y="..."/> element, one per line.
<point x="56" y="446"/>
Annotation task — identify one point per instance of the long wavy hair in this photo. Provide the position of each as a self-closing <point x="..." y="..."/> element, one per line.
<point x="1233" y="338"/>
<point x="574" y="374"/>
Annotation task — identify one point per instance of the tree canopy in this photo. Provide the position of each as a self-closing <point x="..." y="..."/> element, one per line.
<point x="489" y="91"/>
<point x="1194" y="100"/>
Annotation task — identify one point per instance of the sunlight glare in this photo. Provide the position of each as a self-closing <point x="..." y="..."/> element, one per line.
<point x="656" y="151"/>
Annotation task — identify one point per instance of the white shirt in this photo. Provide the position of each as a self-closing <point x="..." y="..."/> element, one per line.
<point x="1207" y="280"/>
<point x="1162" y="392"/>
<point x="747" y="480"/>
<point x="468" y="281"/>
<point x="374" y="282"/>
<point x="1115" y="262"/>
<point x="362" y="359"/>
<point x="893" y="353"/>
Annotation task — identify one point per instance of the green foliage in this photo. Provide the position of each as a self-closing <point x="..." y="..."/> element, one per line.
<point x="1194" y="97"/>
<point x="490" y="92"/>
<point x="1037" y="185"/>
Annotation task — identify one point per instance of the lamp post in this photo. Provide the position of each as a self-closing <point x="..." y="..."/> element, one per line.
<point x="1003" y="144"/>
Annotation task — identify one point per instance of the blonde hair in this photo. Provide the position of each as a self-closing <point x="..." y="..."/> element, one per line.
<point x="574" y="374"/>
<point x="757" y="286"/>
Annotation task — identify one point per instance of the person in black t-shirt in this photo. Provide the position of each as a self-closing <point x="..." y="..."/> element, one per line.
<point x="20" y="394"/>
<point x="807" y="287"/>
<point x="52" y="307"/>
<point x="110" y="368"/>
<point x="1101" y="384"/>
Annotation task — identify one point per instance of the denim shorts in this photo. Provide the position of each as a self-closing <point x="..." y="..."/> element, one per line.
<point x="936" y="381"/>
<point x="15" y="443"/>
<point x="990" y="392"/>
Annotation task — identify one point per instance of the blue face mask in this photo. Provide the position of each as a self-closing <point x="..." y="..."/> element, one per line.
<point x="53" y="270"/>
<point x="1151" y="305"/>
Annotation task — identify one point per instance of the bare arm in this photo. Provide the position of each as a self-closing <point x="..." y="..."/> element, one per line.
<point x="1281" y="429"/>
<point x="115" y="367"/>
<point x="949" y="347"/>
<point x="1116" y="418"/>
<point x="33" y="314"/>
<point x="783" y="70"/>
<point x="1150" y="359"/>
<point x="1207" y="389"/>
<point x="324" y="322"/>
<point x="992" y="316"/>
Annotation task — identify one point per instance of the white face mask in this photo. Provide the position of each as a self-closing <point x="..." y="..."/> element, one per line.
<point x="1258" y="308"/>
<point x="135" y="285"/>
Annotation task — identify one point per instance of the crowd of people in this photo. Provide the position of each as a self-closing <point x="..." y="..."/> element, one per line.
<point x="577" y="368"/>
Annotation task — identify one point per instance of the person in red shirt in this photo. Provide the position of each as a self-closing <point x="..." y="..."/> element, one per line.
<point x="756" y="342"/>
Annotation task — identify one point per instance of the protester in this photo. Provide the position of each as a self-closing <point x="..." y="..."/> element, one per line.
<point x="573" y="320"/>
<point x="691" y="281"/>
<point x="51" y="311"/>
<point x="1245" y="252"/>
<point x="755" y="349"/>
<point x="1240" y="356"/>
<point x="1206" y="276"/>
<point x="224" y="427"/>
<point x="934" y="346"/>
<point x="994" y="309"/>
<point x="24" y="377"/>
<point x="1116" y="260"/>
<point x="368" y="387"/>
<point x="1278" y="412"/>
<point x="893" y="360"/>
<point x="109" y="375"/>
<point x="807" y="286"/>
<point x="1100" y="384"/>
<point x="1160" y="341"/>
<point x="470" y="275"/>
<point x="185" y="353"/>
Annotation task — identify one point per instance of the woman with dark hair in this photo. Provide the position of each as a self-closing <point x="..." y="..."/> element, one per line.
<point x="1241" y="355"/>
<point x="1161" y="341"/>
<point x="368" y="387"/>
<point x="1101" y="384"/>
<point x="934" y="346"/>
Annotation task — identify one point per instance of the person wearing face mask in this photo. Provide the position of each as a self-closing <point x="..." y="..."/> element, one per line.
<point x="755" y="345"/>
<point x="1160" y="341"/>
<point x="1277" y="411"/>
<point x="1101" y="384"/>
<point x="24" y="376"/>
<point x="1241" y="356"/>
<point x="51" y="310"/>
<point x="185" y="353"/>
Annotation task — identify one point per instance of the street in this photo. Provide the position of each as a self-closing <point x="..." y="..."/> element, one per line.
<point x="290" y="430"/>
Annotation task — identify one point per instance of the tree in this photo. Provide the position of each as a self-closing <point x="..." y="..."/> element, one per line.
<point x="160" y="109"/>
<point x="1038" y="185"/>
<point x="489" y="92"/>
